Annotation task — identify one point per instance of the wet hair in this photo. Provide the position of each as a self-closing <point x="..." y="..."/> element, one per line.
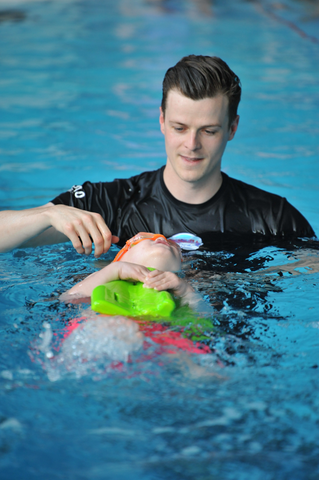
<point x="198" y="77"/>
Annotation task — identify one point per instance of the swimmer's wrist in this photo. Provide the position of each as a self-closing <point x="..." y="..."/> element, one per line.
<point x="44" y="215"/>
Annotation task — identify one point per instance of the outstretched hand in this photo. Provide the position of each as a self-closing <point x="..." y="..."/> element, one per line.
<point x="82" y="228"/>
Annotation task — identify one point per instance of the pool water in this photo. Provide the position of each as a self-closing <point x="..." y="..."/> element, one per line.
<point x="80" y="88"/>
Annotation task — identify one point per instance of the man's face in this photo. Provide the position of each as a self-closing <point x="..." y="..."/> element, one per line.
<point x="196" y="133"/>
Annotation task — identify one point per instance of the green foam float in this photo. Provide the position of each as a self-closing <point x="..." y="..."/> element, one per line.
<point x="122" y="297"/>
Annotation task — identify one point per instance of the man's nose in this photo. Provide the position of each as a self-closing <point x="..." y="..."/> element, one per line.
<point x="192" y="141"/>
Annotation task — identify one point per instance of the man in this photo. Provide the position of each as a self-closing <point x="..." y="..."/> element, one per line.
<point x="198" y="116"/>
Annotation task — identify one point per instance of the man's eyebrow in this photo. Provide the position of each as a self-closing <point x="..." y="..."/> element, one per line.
<point x="212" y="125"/>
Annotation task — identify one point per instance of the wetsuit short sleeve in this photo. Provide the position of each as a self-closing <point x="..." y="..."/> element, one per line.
<point x="102" y="198"/>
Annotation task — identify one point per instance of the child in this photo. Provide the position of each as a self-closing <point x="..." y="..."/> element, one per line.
<point x="118" y="337"/>
<point x="141" y="251"/>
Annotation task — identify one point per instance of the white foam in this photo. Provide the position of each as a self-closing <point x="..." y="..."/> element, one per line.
<point x="11" y="424"/>
<point x="7" y="374"/>
<point x="102" y="340"/>
<point x="112" y="337"/>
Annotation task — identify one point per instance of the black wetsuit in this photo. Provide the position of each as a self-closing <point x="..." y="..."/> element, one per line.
<point x="144" y="204"/>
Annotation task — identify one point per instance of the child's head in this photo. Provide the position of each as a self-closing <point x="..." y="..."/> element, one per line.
<point x="151" y="250"/>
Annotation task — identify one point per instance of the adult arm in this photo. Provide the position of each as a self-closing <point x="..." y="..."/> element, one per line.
<point x="51" y="224"/>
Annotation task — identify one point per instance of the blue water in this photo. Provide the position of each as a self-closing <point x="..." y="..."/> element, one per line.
<point x="80" y="87"/>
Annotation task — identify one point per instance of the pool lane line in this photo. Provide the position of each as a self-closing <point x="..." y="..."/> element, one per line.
<point x="288" y="23"/>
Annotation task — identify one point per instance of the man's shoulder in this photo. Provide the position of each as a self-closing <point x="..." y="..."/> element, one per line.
<point x="249" y="191"/>
<point x="144" y="176"/>
<point x="144" y="179"/>
<point x="109" y="189"/>
<point x="266" y="210"/>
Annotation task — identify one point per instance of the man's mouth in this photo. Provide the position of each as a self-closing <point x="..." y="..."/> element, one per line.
<point x="191" y="159"/>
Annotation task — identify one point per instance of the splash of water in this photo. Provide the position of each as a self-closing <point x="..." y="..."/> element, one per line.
<point x="95" y="344"/>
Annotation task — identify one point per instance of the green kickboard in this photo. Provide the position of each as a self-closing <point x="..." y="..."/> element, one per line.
<point x="121" y="297"/>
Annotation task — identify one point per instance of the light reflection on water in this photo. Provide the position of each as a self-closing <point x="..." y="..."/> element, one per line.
<point x="80" y="91"/>
<point x="251" y="398"/>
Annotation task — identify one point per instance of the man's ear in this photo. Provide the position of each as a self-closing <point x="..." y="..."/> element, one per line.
<point x="161" y="120"/>
<point x="233" y="128"/>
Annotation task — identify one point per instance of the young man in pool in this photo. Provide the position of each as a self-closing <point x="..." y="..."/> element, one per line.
<point x="198" y="116"/>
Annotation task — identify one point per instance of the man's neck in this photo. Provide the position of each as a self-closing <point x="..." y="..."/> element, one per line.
<point x="192" y="192"/>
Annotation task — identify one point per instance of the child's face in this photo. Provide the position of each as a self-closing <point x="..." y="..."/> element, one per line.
<point x="159" y="254"/>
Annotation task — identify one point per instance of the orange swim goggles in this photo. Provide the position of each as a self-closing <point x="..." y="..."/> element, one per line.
<point x="139" y="238"/>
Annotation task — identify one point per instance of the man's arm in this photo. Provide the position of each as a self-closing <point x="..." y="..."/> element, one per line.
<point x="55" y="224"/>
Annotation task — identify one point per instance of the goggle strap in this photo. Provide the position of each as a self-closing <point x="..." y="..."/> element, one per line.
<point x="131" y="242"/>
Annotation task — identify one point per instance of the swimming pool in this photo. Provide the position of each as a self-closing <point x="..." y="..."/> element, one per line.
<point x="80" y="89"/>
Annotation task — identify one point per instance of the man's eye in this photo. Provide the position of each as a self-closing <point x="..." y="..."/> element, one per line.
<point x="178" y="129"/>
<point x="210" y="132"/>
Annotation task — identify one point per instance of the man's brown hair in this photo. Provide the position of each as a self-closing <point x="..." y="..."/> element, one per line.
<point x="198" y="77"/>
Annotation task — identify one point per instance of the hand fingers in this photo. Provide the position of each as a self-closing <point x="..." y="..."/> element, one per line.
<point x="82" y="236"/>
<point x="135" y="275"/>
<point x="95" y="230"/>
<point x="140" y="277"/>
<point x="155" y="273"/>
<point x="85" y="240"/>
<point x="83" y="228"/>
<point x="103" y="241"/>
<point x="98" y="232"/>
<point x="102" y="237"/>
<point x="76" y="241"/>
<point x="159" y="286"/>
<point x="158" y="275"/>
<point x="128" y="271"/>
<point x="162" y="281"/>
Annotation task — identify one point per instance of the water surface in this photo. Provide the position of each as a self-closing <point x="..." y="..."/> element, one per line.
<point x="80" y="90"/>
